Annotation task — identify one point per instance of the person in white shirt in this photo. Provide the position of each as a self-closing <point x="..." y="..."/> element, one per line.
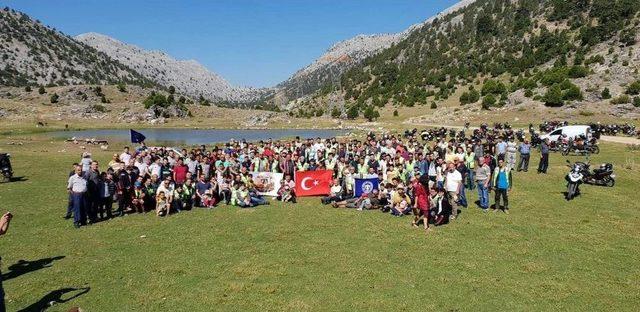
<point x="167" y="187"/>
<point x="156" y="168"/>
<point x="125" y="157"/>
<point x="453" y="182"/>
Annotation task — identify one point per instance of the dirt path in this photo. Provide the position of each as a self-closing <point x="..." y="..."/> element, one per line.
<point x="619" y="139"/>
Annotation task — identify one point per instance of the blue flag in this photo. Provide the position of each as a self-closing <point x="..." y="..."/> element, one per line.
<point x="137" y="137"/>
<point x="364" y="186"/>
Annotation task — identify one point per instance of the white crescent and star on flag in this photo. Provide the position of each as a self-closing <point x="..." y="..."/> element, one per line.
<point x="304" y="186"/>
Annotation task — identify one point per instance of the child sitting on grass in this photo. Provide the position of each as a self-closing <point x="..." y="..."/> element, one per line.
<point x="162" y="206"/>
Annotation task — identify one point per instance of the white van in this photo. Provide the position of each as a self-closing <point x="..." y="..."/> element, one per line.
<point x="570" y="131"/>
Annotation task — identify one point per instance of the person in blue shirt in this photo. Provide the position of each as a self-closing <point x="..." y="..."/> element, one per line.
<point x="502" y="185"/>
<point x="525" y="153"/>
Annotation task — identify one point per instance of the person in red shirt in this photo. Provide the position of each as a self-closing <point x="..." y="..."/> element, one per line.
<point x="421" y="202"/>
<point x="180" y="172"/>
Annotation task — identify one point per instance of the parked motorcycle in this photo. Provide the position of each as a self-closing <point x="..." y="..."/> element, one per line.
<point x="582" y="149"/>
<point x="574" y="179"/>
<point x="601" y="176"/>
<point x="5" y="167"/>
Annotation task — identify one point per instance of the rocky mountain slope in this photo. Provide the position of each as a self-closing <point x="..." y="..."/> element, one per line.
<point x="327" y="69"/>
<point x="506" y="52"/>
<point x="188" y="76"/>
<point x="34" y="54"/>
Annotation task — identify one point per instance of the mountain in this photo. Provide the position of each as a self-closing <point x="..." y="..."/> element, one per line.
<point x="328" y="68"/>
<point x="188" y="77"/>
<point x="554" y="52"/>
<point x="34" y="54"/>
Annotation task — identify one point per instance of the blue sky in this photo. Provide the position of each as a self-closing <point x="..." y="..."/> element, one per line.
<point x="248" y="42"/>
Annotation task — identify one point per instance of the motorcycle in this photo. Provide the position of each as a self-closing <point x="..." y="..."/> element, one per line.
<point x="5" y="167"/>
<point x="583" y="149"/>
<point x="574" y="178"/>
<point x="601" y="176"/>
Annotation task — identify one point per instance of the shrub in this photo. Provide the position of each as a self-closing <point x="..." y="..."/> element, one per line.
<point x="433" y="105"/>
<point x="104" y="100"/>
<point x="335" y="113"/>
<point x="634" y="88"/>
<point x="371" y="114"/>
<point x="528" y="93"/>
<point x="41" y="90"/>
<point x="636" y="101"/>
<point x="99" y="108"/>
<point x="586" y="113"/>
<point x="488" y="101"/>
<point x="553" y="97"/>
<point x="54" y="98"/>
<point x="27" y="89"/>
<point x="155" y="99"/>
<point x="605" y="94"/>
<point x="122" y="87"/>
<point x="623" y="99"/>
<point x="172" y="89"/>
<point x="493" y="87"/>
<point x="572" y="93"/>
<point x="578" y="72"/>
<point x="395" y="113"/>
<point x="352" y="112"/>
<point x="469" y="97"/>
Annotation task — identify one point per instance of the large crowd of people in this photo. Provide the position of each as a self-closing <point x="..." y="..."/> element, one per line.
<point x="424" y="174"/>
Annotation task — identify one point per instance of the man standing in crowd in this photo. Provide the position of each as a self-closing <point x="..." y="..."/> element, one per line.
<point x="525" y="153"/>
<point x="4" y="227"/>
<point x="502" y="184"/>
<point x="92" y="197"/>
<point x="453" y="183"/>
<point x="125" y="157"/>
<point x="482" y="176"/>
<point x="77" y="187"/>
<point x="544" y="157"/>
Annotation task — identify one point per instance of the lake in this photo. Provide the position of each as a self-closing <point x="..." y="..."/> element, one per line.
<point x="198" y="136"/>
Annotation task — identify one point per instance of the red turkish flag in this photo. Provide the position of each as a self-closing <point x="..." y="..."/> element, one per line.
<point x="310" y="183"/>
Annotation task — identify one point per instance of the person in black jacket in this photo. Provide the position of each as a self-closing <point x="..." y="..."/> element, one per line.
<point x="106" y="191"/>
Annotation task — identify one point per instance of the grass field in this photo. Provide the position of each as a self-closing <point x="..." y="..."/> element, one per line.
<point x="548" y="254"/>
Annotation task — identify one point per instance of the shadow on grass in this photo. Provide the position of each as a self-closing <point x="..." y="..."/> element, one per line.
<point x="18" y="179"/>
<point x="26" y="266"/>
<point x="55" y="297"/>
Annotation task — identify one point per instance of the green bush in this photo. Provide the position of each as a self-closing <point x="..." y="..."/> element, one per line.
<point x="488" y="101"/>
<point x="636" y="101"/>
<point x="122" y="87"/>
<point x="41" y="90"/>
<point x="433" y="105"/>
<point x="155" y="99"/>
<point x="395" y="113"/>
<point x="493" y="87"/>
<point x="469" y="97"/>
<point x="572" y="93"/>
<point x="54" y="98"/>
<point x="553" y="97"/>
<point x="528" y="93"/>
<point x="634" y="88"/>
<point x="370" y="113"/>
<point x="27" y="89"/>
<point x="623" y="99"/>
<point x="605" y="94"/>
<point x="352" y="112"/>
<point x="335" y="112"/>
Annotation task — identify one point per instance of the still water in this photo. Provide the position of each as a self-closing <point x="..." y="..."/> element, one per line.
<point x="198" y="136"/>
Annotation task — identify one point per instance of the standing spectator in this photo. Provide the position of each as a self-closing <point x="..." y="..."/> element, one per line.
<point x="77" y="187"/>
<point x="453" y="183"/>
<point x="106" y="191"/>
<point x="180" y="172"/>
<point x="125" y="157"/>
<point x="511" y="153"/>
<point x="69" y="214"/>
<point x="544" y="157"/>
<point x="92" y="197"/>
<point x="502" y="185"/>
<point x="4" y="227"/>
<point x="470" y="162"/>
<point x="501" y="148"/>
<point x="482" y="176"/>
<point x="525" y="153"/>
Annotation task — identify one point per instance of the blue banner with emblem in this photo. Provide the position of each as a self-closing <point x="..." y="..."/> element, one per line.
<point x="364" y="186"/>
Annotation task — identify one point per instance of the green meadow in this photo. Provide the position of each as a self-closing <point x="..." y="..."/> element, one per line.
<point x="547" y="254"/>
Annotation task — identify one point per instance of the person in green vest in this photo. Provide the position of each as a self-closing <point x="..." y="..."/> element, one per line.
<point x="470" y="162"/>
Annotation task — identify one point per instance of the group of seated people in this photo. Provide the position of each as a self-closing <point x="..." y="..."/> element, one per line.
<point x="427" y="179"/>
